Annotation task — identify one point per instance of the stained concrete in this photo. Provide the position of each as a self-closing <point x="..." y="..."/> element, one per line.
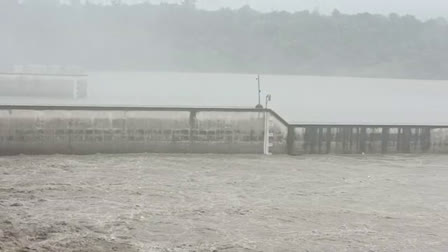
<point x="88" y="130"/>
<point x="28" y="131"/>
<point x="323" y="139"/>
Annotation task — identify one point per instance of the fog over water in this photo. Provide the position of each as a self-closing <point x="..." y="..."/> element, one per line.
<point x="358" y="163"/>
<point x="181" y="39"/>
<point x="301" y="99"/>
<point x="297" y="98"/>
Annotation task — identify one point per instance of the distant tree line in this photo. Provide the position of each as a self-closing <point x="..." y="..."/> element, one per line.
<point x="171" y="37"/>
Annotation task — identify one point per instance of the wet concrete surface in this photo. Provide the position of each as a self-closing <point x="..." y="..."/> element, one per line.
<point x="150" y="202"/>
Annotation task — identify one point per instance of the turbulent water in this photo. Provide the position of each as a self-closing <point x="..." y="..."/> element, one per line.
<point x="298" y="98"/>
<point x="149" y="202"/>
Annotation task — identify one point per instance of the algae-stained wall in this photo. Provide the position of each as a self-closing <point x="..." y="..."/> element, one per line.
<point x="368" y="139"/>
<point x="83" y="131"/>
<point x="439" y="140"/>
<point x="87" y="130"/>
<point x="227" y="132"/>
<point x="279" y="135"/>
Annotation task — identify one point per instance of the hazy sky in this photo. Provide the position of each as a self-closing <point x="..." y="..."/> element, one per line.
<point x="421" y="8"/>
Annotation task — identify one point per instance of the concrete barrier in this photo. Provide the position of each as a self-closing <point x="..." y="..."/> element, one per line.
<point x="87" y="130"/>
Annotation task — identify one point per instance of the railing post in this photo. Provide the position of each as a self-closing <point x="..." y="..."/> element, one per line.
<point x="290" y="140"/>
<point x="266" y="143"/>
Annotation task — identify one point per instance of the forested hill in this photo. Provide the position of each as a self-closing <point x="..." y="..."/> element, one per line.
<point x="183" y="38"/>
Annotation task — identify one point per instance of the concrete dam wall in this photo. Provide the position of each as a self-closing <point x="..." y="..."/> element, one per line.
<point x="355" y="139"/>
<point x="88" y="130"/>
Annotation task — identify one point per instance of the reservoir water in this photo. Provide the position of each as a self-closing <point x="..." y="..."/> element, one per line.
<point x="300" y="99"/>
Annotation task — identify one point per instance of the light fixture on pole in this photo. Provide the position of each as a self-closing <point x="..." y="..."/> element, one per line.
<point x="268" y="99"/>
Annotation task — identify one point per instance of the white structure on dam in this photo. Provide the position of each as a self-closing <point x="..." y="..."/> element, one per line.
<point x="43" y="82"/>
